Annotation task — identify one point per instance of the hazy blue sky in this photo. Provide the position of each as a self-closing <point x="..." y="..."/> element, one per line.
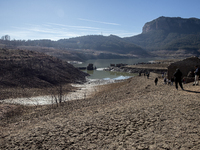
<point x="58" y="19"/>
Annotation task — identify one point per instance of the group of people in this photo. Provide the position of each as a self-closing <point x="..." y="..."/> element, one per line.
<point x="178" y="78"/>
<point x="145" y="74"/>
<point x="168" y="81"/>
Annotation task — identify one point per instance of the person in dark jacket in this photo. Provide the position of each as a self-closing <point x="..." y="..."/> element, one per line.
<point x="178" y="78"/>
<point x="156" y="81"/>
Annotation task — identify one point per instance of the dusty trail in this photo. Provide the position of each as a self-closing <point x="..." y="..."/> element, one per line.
<point x="134" y="114"/>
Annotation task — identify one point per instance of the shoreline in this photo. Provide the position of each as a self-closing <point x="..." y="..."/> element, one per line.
<point x="90" y="87"/>
<point x="155" y="66"/>
<point x="81" y="91"/>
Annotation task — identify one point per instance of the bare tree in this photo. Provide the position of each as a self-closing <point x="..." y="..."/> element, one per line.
<point x="57" y="95"/>
<point x="6" y="37"/>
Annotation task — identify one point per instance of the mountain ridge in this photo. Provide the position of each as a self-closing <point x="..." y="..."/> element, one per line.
<point x="94" y="46"/>
<point x="169" y="33"/>
<point x="173" y="24"/>
<point x="164" y="33"/>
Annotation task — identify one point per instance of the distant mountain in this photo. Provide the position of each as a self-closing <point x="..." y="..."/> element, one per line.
<point x="110" y="43"/>
<point x="173" y="24"/>
<point x="172" y="35"/>
<point x="169" y="33"/>
<point x="82" y="48"/>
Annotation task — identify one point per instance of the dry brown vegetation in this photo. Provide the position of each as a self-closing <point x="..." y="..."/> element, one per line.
<point x="27" y="73"/>
<point x="32" y="69"/>
<point x="67" y="54"/>
<point x="134" y="114"/>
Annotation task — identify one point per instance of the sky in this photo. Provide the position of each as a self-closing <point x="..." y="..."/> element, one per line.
<point x="63" y="19"/>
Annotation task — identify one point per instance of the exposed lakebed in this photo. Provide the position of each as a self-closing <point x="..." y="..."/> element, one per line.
<point x="97" y="77"/>
<point x="83" y="91"/>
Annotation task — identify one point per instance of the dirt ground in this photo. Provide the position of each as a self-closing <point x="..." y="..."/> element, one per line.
<point x="134" y="114"/>
<point x="150" y="66"/>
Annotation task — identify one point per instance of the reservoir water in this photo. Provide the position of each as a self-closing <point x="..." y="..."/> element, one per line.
<point x="100" y="64"/>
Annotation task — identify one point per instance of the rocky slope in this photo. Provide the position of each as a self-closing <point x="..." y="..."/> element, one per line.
<point x="173" y="24"/>
<point x="23" y="68"/>
<point x="134" y="114"/>
<point x="170" y="36"/>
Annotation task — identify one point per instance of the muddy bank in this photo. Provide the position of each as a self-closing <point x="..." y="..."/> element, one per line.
<point x="81" y="91"/>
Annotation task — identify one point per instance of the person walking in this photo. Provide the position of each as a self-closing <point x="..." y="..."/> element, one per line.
<point x="165" y="81"/>
<point x="196" y="77"/>
<point x="147" y="75"/>
<point x="156" y="81"/>
<point x="177" y="78"/>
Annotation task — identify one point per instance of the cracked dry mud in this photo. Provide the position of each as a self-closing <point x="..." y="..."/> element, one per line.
<point x="134" y="114"/>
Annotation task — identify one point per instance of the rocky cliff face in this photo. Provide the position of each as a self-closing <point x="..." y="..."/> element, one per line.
<point x="176" y="24"/>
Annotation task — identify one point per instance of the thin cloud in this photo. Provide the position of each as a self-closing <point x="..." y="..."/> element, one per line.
<point x="77" y="27"/>
<point x="55" y="31"/>
<point x="43" y="32"/>
<point x="99" y="22"/>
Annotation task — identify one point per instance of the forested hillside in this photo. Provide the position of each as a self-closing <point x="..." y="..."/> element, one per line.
<point x="102" y="43"/>
<point x="111" y="44"/>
